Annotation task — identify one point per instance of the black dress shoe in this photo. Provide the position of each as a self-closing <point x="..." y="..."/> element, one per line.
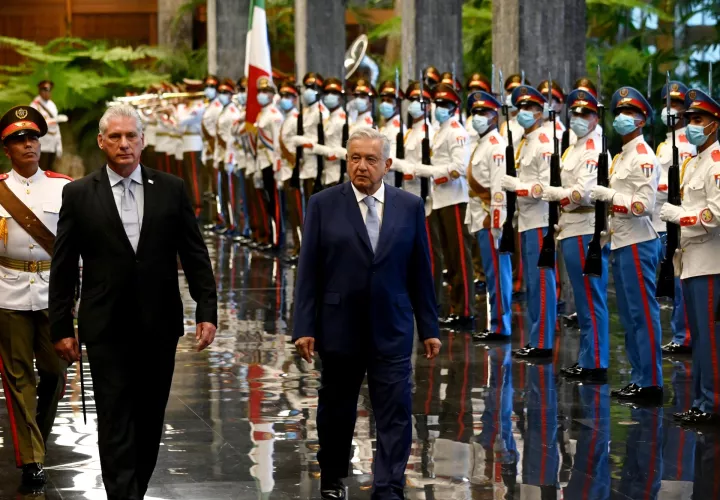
<point x="617" y="392"/>
<point x="685" y="414"/>
<point x="448" y="321"/>
<point x="333" y="490"/>
<point x="593" y="375"/>
<point x="652" y="394"/>
<point x="701" y="418"/>
<point x="33" y="475"/>
<point x="533" y="352"/>
<point x="570" y="370"/>
<point x="675" y="348"/>
<point x="465" y="322"/>
<point x="488" y="336"/>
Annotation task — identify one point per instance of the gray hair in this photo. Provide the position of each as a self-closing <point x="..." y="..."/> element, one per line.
<point x="119" y="111"/>
<point x="367" y="133"/>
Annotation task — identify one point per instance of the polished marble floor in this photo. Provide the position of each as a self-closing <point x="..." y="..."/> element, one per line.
<point x="240" y="421"/>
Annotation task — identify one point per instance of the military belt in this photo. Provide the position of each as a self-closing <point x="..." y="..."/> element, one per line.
<point x="31" y="266"/>
<point x="581" y="210"/>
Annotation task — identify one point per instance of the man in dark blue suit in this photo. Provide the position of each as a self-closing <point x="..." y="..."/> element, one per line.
<point x="364" y="275"/>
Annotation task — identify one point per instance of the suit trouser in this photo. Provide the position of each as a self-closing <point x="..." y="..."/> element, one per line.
<point x="47" y="161"/>
<point x="540" y="289"/>
<point x="456" y="243"/>
<point x="31" y="407"/>
<point x="590" y="301"/>
<point x="131" y="388"/>
<point x="498" y="275"/>
<point x="634" y="268"/>
<point x="679" y="443"/>
<point x="641" y="474"/>
<point x="678" y="322"/>
<point x="191" y="174"/>
<point x="389" y="382"/>
<point x="294" y="204"/>
<point x="702" y="294"/>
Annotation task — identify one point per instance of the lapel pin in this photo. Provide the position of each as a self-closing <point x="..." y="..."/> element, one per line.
<point x="151" y="181"/>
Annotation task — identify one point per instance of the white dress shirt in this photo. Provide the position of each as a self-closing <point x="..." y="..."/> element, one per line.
<point x="136" y="187"/>
<point x="379" y="196"/>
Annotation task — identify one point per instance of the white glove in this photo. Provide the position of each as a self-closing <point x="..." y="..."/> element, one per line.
<point x="340" y="152"/>
<point x="509" y="183"/>
<point x="397" y="165"/>
<point x="551" y="193"/>
<point x="671" y="213"/>
<point x="229" y="167"/>
<point x="604" y="238"/>
<point x="302" y="140"/>
<point x="602" y="193"/>
<point x="421" y="170"/>
<point x="321" y="150"/>
<point x="61" y="118"/>
<point x="497" y="235"/>
<point x="279" y="184"/>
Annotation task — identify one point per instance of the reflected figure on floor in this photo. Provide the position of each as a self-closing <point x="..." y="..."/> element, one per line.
<point x="679" y="443"/>
<point x="643" y="468"/>
<point x="707" y="465"/>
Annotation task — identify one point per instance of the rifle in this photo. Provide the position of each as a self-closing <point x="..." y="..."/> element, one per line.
<point x="320" y="158"/>
<point x="666" y="280"/>
<point x="460" y="117"/>
<point x="345" y="132"/>
<point x="566" y="134"/>
<point x="507" y="241"/>
<point x="593" y="261"/>
<point x="425" y="144"/>
<point x="400" y="139"/>
<point x="547" y="254"/>
<point x="295" y="178"/>
<point x="649" y="98"/>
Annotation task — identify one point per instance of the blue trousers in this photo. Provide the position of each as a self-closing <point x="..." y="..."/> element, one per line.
<point x="680" y="329"/>
<point x="497" y="433"/>
<point x="540" y="289"/>
<point x="498" y="278"/>
<point x="590" y="477"/>
<point x="634" y="270"/>
<point x="702" y="294"/>
<point x="643" y="468"/>
<point x="541" y="459"/>
<point x="241" y="204"/>
<point x="679" y="443"/>
<point x="591" y="302"/>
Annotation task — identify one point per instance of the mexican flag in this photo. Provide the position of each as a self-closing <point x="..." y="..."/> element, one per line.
<point x="257" y="56"/>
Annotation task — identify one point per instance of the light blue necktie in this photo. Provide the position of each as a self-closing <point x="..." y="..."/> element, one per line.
<point x="372" y="221"/>
<point x="129" y="213"/>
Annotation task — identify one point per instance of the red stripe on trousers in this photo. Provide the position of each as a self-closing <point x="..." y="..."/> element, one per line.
<point x="543" y="420"/>
<point x="195" y="186"/>
<point x="299" y="207"/>
<point x="496" y="266"/>
<point x="463" y="390"/>
<point x="713" y="343"/>
<point x="651" y="471"/>
<point x="646" y="306"/>
<point x="458" y="226"/>
<point x="591" y="304"/>
<point x="686" y="342"/>
<point x="543" y="300"/>
<point x="588" y="481"/>
<point x="517" y="284"/>
<point x="432" y="260"/>
<point x="276" y="236"/>
<point x="179" y="166"/>
<point x="263" y="211"/>
<point x="11" y="415"/>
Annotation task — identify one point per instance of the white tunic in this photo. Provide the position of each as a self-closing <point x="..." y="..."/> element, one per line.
<point x="189" y="119"/>
<point x="227" y="118"/>
<point x="390" y="130"/>
<point x="209" y="127"/>
<point x="268" y="124"/>
<point x="52" y="141"/>
<point x="664" y="157"/>
<point x="532" y="161"/>
<point x="311" y="117"/>
<point x="488" y="164"/>
<point x="287" y="149"/>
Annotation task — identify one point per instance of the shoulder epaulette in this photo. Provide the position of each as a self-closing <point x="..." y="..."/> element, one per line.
<point x="396" y="122"/>
<point x="543" y="138"/>
<point x="716" y="155"/>
<point x="342" y="116"/>
<point x="682" y="138"/>
<point x="455" y="125"/>
<point x="494" y="141"/>
<point x="3" y="177"/>
<point x="641" y="148"/>
<point x="55" y="175"/>
<point x="590" y="145"/>
<point x="657" y="150"/>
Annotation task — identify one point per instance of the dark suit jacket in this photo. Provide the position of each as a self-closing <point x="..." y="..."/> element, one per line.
<point x="353" y="300"/>
<point x="124" y="294"/>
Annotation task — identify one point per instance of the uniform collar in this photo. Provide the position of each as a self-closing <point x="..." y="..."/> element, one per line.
<point x="631" y="145"/>
<point x="536" y="132"/>
<point x="379" y="194"/>
<point x="337" y="111"/>
<point x="708" y="151"/>
<point x="486" y="138"/>
<point x="22" y="180"/>
<point x="115" y="179"/>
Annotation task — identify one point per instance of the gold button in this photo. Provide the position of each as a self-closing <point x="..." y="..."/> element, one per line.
<point x="32" y="246"/>
<point x="27" y="191"/>
<point x="32" y="280"/>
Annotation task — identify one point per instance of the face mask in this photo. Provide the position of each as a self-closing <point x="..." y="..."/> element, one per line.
<point x="242" y="98"/>
<point x="263" y="99"/>
<point x="286" y="104"/>
<point x="624" y="124"/>
<point x="526" y="118"/>
<point x="332" y="101"/>
<point x="361" y="104"/>
<point x="224" y="99"/>
<point x="210" y="93"/>
<point x="415" y="109"/>
<point x="310" y="96"/>
<point x="696" y="134"/>
<point x="508" y="102"/>
<point x="442" y="114"/>
<point x="386" y="110"/>
<point x="580" y="126"/>
<point x="480" y="123"/>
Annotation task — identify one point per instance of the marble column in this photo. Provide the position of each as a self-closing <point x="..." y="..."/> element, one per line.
<point x="230" y="23"/>
<point x="320" y="40"/>
<point x="179" y="37"/>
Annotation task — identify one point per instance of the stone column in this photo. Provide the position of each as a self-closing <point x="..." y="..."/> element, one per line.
<point x="227" y="57"/>
<point x="431" y="36"/>
<point x="320" y="40"/>
<point x="540" y="36"/>
<point x="181" y="36"/>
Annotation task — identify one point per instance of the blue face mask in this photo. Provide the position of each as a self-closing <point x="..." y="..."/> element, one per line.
<point x="386" y="110"/>
<point x="263" y="99"/>
<point x="580" y="126"/>
<point x="224" y="99"/>
<point x="526" y="118"/>
<point x="210" y="92"/>
<point x="242" y="98"/>
<point x="286" y="104"/>
<point x="415" y="109"/>
<point x="624" y="124"/>
<point x="310" y="96"/>
<point x="361" y="104"/>
<point x="442" y="114"/>
<point x="480" y="123"/>
<point x="332" y="101"/>
<point x="696" y="134"/>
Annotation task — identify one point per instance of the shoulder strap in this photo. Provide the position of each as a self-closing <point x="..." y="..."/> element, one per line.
<point x="39" y="102"/>
<point x="27" y="219"/>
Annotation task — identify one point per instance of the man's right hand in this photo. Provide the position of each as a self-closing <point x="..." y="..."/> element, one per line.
<point x="68" y="349"/>
<point x="306" y="348"/>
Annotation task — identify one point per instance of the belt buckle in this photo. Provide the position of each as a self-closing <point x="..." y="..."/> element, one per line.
<point x="33" y="266"/>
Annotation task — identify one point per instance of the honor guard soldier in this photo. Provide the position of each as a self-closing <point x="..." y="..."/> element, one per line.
<point x="189" y="114"/>
<point x="576" y="229"/>
<point x="680" y="343"/>
<point x="237" y="156"/>
<point x="333" y="125"/>
<point x="634" y="178"/>
<point x="224" y="138"/>
<point x="532" y="160"/>
<point x="431" y="77"/>
<point x="288" y="162"/>
<point x="208" y="126"/>
<point x="511" y="83"/>
<point x="51" y="143"/>
<point x="450" y="157"/>
<point x="364" y="103"/>
<point x="476" y="83"/>
<point x="32" y="196"/>
<point x="558" y="99"/>
<point x="390" y="109"/>
<point x="314" y="115"/>
<point x="487" y="210"/>
<point x="585" y="84"/>
<point x="697" y="261"/>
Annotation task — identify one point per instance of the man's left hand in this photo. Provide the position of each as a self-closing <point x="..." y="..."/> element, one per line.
<point x="205" y="335"/>
<point x="432" y="348"/>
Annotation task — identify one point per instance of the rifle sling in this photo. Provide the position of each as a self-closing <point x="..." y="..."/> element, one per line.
<point x="27" y="219"/>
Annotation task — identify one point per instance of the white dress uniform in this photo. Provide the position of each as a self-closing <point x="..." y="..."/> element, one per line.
<point x="166" y="139"/>
<point x="413" y="158"/>
<point x="311" y="117"/>
<point x="333" y="149"/>
<point x="41" y="193"/>
<point x="664" y="158"/>
<point x="240" y="153"/>
<point x="189" y="117"/>
<point x="52" y="141"/>
<point x="287" y="132"/>
<point x="532" y="160"/>
<point x="209" y="129"/>
<point x="149" y="129"/>
<point x="225" y="139"/>
<point x="634" y="175"/>
<point x="390" y="130"/>
<point x="488" y="169"/>
<point x="363" y="120"/>
<point x="268" y="124"/>
<point x="517" y="131"/>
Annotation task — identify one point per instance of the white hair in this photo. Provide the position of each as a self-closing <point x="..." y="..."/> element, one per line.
<point x="367" y="133"/>
<point x="122" y="110"/>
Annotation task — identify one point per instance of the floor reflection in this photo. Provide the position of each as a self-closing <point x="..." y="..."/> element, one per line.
<point x="241" y="418"/>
